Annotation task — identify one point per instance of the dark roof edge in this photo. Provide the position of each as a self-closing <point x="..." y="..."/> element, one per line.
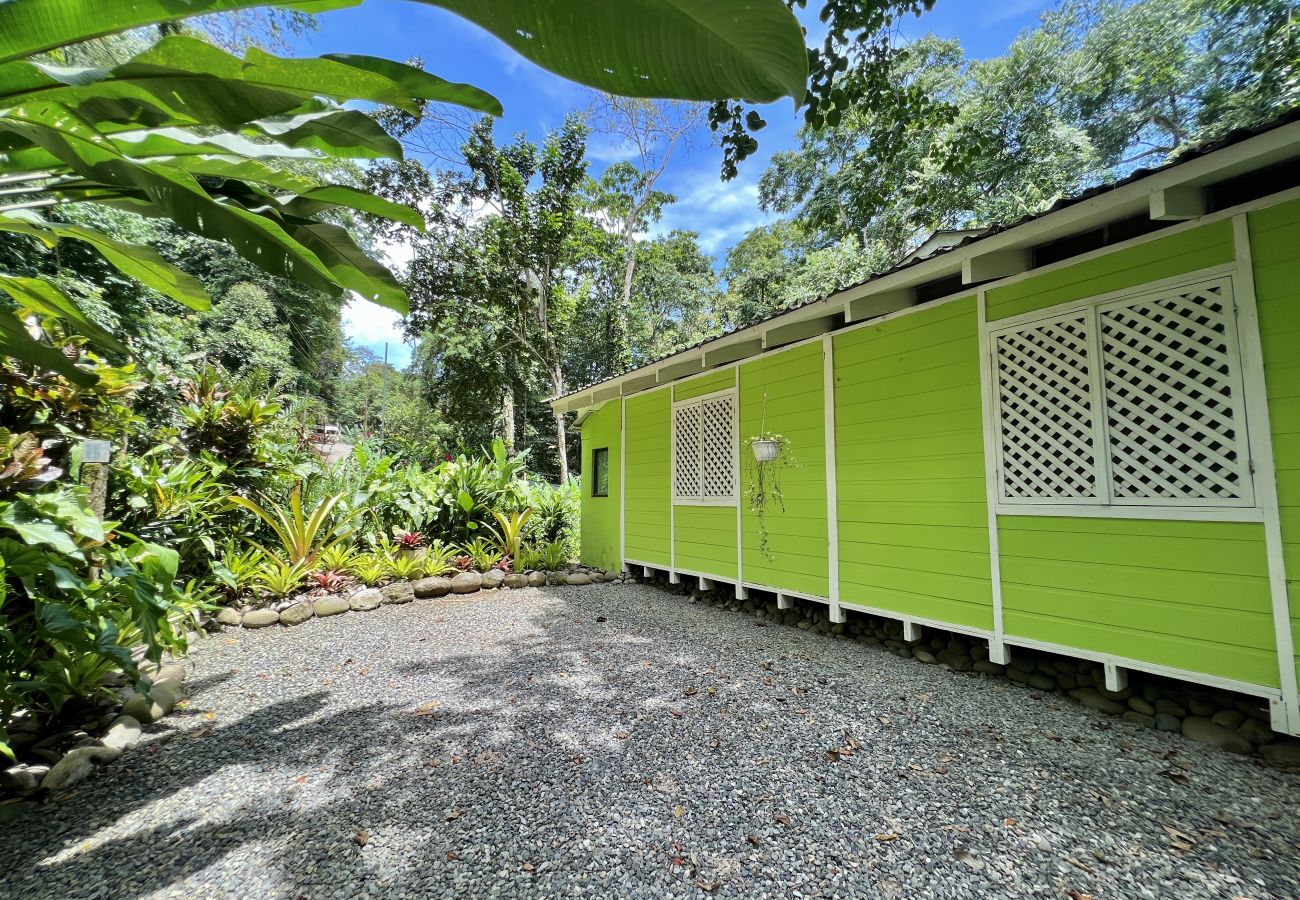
<point x="1105" y="194"/>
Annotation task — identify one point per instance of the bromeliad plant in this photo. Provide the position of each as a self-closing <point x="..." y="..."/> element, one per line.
<point x="510" y="534"/>
<point x="439" y="559"/>
<point x="483" y="552"/>
<point x="302" y="535"/>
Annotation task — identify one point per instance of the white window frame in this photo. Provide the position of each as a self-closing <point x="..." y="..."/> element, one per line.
<point x="701" y="499"/>
<point x="1105" y="504"/>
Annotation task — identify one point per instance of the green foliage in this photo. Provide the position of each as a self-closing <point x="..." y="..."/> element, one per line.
<point x="302" y="534"/>
<point x="438" y="558"/>
<point x="278" y="577"/>
<point x="338" y="557"/>
<point x="509" y="534"/>
<point x="61" y="627"/>
<point x="554" y="555"/>
<point x="483" y="552"/>
<point x="236" y="570"/>
<point x="405" y="565"/>
<point x="371" y="569"/>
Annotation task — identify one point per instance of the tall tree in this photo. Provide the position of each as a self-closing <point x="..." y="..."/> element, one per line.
<point x="651" y="131"/>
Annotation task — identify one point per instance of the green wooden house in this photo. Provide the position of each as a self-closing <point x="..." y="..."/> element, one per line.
<point x="1079" y="433"/>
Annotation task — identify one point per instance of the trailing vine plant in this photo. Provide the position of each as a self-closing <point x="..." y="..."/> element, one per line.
<point x="768" y="455"/>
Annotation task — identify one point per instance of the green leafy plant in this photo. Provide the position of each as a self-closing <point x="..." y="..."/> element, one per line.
<point x="439" y="558"/>
<point x="74" y="601"/>
<point x="483" y="552"/>
<point x="371" y="569"/>
<point x="302" y="535"/>
<point x="21" y="459"/>
<point x="280" y="577"/>
<point x="338" y="557"/>
<point x="509" y="534"/>
<point x="554" y="555"/>
<point x="237" y="568"/>
<point x="529" y="558"/>
<point x="767" y="455"/>
<point x="405" y="566"/>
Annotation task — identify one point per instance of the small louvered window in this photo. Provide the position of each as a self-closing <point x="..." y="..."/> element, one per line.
<point x="1136" y="401"/>
<point x="704" y="450"/>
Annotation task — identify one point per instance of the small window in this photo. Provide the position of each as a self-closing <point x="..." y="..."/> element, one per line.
<point x="1135" y="401"/>
<point x="600" y="472"/>
<point x="704" y="450"/>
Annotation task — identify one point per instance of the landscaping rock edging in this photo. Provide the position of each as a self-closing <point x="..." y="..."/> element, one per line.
<point x="122" y="730"/>
<point x="303" y="609"/>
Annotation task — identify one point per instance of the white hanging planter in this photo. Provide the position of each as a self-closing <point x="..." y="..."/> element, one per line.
<point x="765" y="450"/>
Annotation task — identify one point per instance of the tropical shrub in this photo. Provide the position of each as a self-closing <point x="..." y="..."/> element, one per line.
<point x="555" y="555"/>
<point x="302" y="535"/>
<point x="439" y="558"/>
<point x="405" y="566"/>
<point x="509" y="534"/>
<point x="371" y="569"/>
<point x="338" y="557"/>
<point x="280" y="577"/>
<point x="483" y="552"/>
<point x="75" y="600"/>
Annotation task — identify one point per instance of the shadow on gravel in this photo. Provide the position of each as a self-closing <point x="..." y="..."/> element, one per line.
<point x="624" y="723"/>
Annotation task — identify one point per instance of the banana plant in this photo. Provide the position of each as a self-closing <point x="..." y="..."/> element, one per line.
<point x="187" y="132"/>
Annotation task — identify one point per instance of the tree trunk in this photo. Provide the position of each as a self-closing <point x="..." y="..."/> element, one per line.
<point x="508" y="416"/>
<point x="561" y="440"/>
<point x="624" y="337"/>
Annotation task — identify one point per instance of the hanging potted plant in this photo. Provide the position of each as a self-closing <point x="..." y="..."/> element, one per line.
<point x="769" y="455"/>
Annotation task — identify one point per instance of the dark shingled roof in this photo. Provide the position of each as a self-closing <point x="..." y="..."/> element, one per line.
<point x="1196" y="152"/>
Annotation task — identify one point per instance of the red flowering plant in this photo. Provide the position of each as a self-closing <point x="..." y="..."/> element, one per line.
<point x="463" y="562"/>
<point x="410" y="540"/>
<point x="329" y="581"/>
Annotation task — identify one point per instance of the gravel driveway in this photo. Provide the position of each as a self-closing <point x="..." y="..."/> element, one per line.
<point x="617" y="741"/>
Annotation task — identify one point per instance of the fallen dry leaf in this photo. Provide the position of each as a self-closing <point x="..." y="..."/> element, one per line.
<point x="528" y="867"/>
<point x="783" y="819"/>
<point x="361" y="838"/>
<point x="452" y="856"/>
<point x="677" y="713"/>
<point x="620" y="734"/>
<point x="709" y="886"/>
<point x="455" y="814"/>
<point x="887" y="836"/>
<point x="678" y="811"/>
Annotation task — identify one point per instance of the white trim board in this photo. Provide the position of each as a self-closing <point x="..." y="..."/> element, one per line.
<point x="832" y="479"/>
<point x="1259" y="428"/>
<point x="997" y="647"/>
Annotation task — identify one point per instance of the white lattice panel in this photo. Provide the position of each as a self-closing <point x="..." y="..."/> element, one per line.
<point x="686" y="450"/>
<point x="1171" y="390"/>
<point x="719" y="441"/>
<point x="1045" y="411"/>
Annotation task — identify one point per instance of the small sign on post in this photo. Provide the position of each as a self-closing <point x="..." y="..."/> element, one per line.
<point x="95" y="450"/>
<point x="95" y="454"/>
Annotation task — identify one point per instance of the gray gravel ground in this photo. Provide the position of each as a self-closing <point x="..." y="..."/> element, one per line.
<point x="616" y="741"/>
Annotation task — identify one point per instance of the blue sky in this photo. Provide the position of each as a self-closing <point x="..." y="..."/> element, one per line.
<point x="536" y="101"/>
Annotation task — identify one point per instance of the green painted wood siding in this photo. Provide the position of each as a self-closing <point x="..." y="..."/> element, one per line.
<point x="705" y="539"/>
<point x="705" y="536"/>
<point x="792" y="380"/>
<point x="1192" y="595"/>
<point x="600" y="525"/>
<point x="913" y="514"/>
<point x="1197" y="248"/>
<point x="706" y="384"/>
<point x="646" y="508"/>
<point x="1275" y="248"/>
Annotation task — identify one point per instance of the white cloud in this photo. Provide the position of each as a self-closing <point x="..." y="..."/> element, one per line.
<point x="721" y="211"/>
<point x="372" y="326"/>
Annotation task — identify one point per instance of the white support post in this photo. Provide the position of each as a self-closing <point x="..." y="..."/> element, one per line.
<point x="1116" y="678"/>
<point x="742" y="592"/>
<point x="1285" y="715"/>
<point x="784" y="601"/>
<point x="622" y="483"/>
<point x="911" y="631"/>
<point x="674" y="578"/>
<point x="646" y="572"/>
<point x="706" y="584"/>
<point x="837" y="614"/>
<point x="997" y="647"/>
<point x="832" y="496"/>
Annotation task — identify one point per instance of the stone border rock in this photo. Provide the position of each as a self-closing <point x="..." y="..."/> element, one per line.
<point x="121" y="731"/>
<point x="297" y="610"/>
<point x="1233" y="722"/>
